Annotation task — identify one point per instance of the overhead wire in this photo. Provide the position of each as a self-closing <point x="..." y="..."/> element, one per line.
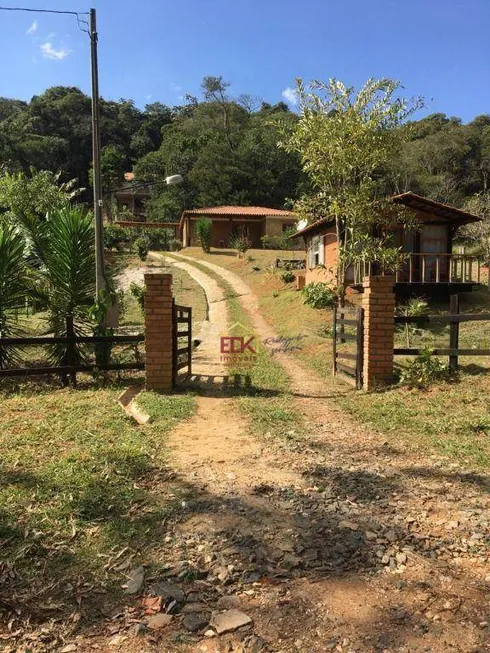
<point x="78" y="14"/>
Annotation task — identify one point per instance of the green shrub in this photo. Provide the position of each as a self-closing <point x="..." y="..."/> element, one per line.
<point x="116" y="237"/>
<point x="138" y="292"/>
<point x="415" y="307"/>
<point x="319" y="295"/>
<point x="175" y="245"/>
<point x="424" y="370"/>
<point x="142" y="247"/>
<point x="283" y="241"/>
<point x="241" y="242"/>
<point x="288" y="276"/>
<point x="204" y="230"/>
<point x="159" y="239"/>
<point x="266" y="242"/>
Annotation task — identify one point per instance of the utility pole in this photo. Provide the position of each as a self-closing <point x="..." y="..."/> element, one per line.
<point x="100" y="280"/>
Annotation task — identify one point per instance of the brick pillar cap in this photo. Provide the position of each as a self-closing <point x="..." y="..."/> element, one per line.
<point x="378" y="280"/>
<point x="158" y="276"/>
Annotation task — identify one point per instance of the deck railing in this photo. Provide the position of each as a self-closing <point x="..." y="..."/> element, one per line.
<point x="428" y="268"/>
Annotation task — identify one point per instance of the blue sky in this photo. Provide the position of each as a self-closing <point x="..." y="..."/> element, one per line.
<point x="160" y="49"/>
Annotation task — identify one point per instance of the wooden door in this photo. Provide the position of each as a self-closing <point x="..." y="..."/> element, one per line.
<point x="433" y="240"/>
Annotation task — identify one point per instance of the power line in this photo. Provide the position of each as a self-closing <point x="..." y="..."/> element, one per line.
<point x="80" y="21"/>
<point x="46" y="11"/>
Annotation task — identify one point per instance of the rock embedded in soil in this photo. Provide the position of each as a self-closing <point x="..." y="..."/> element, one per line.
<point x="136" y="580"/>
<point x="168" y="592"/>
<point x="227" y="622"/>
<point x="139" y="629"/>
<point x="228" y="602"/>
<point x="159" y="620"/>
<point x="352" y="526"/>
<point x="195" y="621"/>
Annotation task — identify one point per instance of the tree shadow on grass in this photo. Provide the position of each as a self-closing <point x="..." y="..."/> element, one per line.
<point x="272" y="537"/>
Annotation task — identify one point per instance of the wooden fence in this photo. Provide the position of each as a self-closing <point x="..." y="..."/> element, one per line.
<point x="70" y="370"/>
<point x="181" y="342"/>
<point x="351" y="370"/>
<point x="454" y="319"/>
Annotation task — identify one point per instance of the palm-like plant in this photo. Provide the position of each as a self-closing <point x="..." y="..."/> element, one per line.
<point x="65" y="278"/>
<point x="12" y="288"/>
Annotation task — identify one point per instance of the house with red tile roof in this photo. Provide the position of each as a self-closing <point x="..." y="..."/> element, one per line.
<point x="253" y="221"/>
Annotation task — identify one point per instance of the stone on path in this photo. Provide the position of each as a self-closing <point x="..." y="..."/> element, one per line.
<point x="226" y="622"/>
<point x="195" y="621"/>
<point x="159" y="620"/>
<point x="135" y="581"/>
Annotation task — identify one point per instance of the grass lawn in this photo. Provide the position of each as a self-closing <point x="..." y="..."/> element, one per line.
<point x="450" y="419"/>
<point x="80" y="482"/>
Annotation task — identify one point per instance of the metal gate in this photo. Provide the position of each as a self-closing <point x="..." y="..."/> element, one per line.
<point x="348" y="345"/>
<point x="181" y="342"/>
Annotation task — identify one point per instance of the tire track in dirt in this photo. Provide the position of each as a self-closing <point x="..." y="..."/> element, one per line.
<point x="401" y="505"/>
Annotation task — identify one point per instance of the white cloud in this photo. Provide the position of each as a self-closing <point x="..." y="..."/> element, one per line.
<point x="148" y="97"/>
<point x="49" y="52"/>
<point x="32" y="29"/>
<point x="289" y="94"/>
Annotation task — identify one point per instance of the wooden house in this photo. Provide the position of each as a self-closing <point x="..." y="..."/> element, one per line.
<point x="430" y="263"/>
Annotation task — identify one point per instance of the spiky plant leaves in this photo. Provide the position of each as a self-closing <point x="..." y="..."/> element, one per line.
<point x="12" y="289"/>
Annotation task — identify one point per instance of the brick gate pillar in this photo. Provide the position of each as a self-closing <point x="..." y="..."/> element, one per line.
<point x="378" y="302"/>
<point x="158" y="331"/>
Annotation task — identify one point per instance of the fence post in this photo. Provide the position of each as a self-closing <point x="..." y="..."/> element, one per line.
<point x="359" y="347"/>
<point x="453" y="332"/>
<point x="158" y="331"/>
<point x="334" y="340"/>
<point x="378" y="302"/>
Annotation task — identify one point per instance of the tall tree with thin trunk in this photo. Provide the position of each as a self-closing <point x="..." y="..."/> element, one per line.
<point x="344" y="139"/>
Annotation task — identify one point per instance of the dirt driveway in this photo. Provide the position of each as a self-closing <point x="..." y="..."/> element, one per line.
<point x="333" y="541"/>
<point x="340" y="542"/>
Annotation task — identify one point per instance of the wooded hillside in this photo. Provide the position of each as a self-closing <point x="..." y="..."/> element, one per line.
<point x="225" y="147"/>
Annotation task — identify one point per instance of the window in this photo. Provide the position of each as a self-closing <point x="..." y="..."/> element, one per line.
<point x="316" y="251"/>
<point x="286" y="226"/>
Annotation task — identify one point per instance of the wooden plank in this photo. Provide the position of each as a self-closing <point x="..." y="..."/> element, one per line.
<point x="347" y="322"/>
<point x="346" y="336"/>
<point x="182" y="350"/>
<point x="453" y="332"/>
<point x="189" y="344"/>
<point x="51" y="340"/>
<point x="183" y="320"/>
<point x="174" y="342"/>
<point x="441" y="319"/>
<point x="64" y="369"/>
<point x="360" y="348"/>
<point x="347" y="369"/>
<point x="346" y="356"/>
<point x="414" y="351"/>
